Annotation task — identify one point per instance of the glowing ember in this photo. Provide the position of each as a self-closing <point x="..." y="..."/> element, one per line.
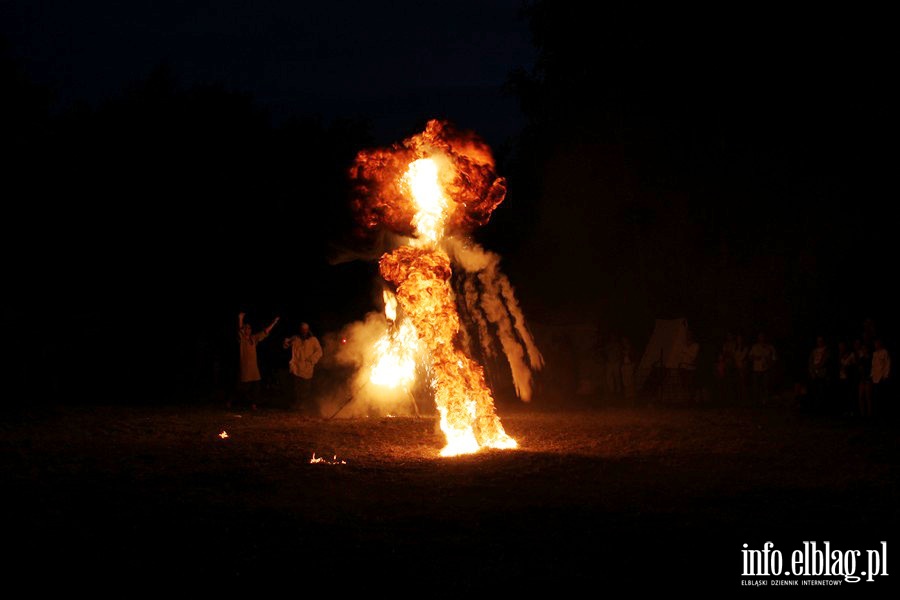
<point x="318" y="460"/>
<point x="224" y="434"/>
<point x="434" y="185"/>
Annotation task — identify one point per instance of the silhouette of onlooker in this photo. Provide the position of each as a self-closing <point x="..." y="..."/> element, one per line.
<point x="818" y="374"/>
<point x="720" y="371"/>
<point x="727" y="379"/>
<point x="864" y="376"/>
<point x="847" y="379"/>
<point x="881" y="371"/>
<point x="762" y="356"/>
<point x="740" y="355"/>
<point x="688" y="364"/>
<point x="305" y="353"/>
<point x="248" y="376"/>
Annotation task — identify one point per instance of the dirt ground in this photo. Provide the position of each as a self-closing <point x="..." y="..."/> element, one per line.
<point x="617" y="498"/>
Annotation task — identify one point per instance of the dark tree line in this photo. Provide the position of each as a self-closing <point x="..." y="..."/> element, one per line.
<point x="727" y="168"/>
<point x="137" y="229"/>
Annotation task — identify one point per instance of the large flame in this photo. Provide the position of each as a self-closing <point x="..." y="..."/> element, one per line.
<point x="470" y="187"/>
<point x="468" y="420"/>
<point x="396" y="353"/>
<point x="424" y="187"/>
<point x="432" y="185"/>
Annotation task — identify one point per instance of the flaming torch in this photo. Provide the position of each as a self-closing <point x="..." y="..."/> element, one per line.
<point x="433" y="189"/>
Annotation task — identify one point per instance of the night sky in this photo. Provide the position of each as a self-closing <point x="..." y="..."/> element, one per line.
<point x="726" y="168"/>
<point x="390" y="62"/>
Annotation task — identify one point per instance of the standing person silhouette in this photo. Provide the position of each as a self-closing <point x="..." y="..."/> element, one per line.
<point x="740" y="354"/>
<point x="881" y="372"/>
<point x="248" y="369"/>
<point x="762" y="356"/>
<point x="819" y="361"/>
<point x="305" y="353"/>
<point x="864" y="376"/>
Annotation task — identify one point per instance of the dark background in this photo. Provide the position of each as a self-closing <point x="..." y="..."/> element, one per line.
<point x="173" y="164"/>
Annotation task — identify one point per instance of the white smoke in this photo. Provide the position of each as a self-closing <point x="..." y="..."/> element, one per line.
<point x="353" y="348"/>
<point x="496" y="301"/>
<point x="474" y="309"/>
<point x="512" y="304"/>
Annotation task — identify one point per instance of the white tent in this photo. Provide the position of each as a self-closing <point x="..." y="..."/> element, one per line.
<point x="665" y="348"/>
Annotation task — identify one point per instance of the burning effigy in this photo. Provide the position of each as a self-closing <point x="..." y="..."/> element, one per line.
<point x="432" y="190"/>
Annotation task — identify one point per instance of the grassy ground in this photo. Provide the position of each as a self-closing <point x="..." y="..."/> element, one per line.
<point x="617" y="497"/>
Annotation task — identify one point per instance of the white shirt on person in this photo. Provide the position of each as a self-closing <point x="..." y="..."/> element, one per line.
<point x="881" y="365"/>
<point x="305" y="353"/>
<point x="762" y="356"/>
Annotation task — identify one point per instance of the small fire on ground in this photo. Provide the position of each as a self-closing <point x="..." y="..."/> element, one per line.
<point x="318" y="460"/>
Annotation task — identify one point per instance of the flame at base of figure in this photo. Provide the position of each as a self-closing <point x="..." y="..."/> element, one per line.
<point x="464" y="402"/>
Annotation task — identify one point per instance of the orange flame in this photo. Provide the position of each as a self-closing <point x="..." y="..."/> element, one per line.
<point x="396" y="351"/>
<point x="468" y="420"/>
<point x="470" y="185"/>
<point x="436" y="183"/>
<point x="318" y="460"/>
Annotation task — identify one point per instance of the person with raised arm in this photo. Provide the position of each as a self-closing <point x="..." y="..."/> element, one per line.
<point x="248" y="369"/>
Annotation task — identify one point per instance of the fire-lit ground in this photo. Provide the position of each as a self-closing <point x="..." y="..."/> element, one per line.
<point x="618" y="497"/>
